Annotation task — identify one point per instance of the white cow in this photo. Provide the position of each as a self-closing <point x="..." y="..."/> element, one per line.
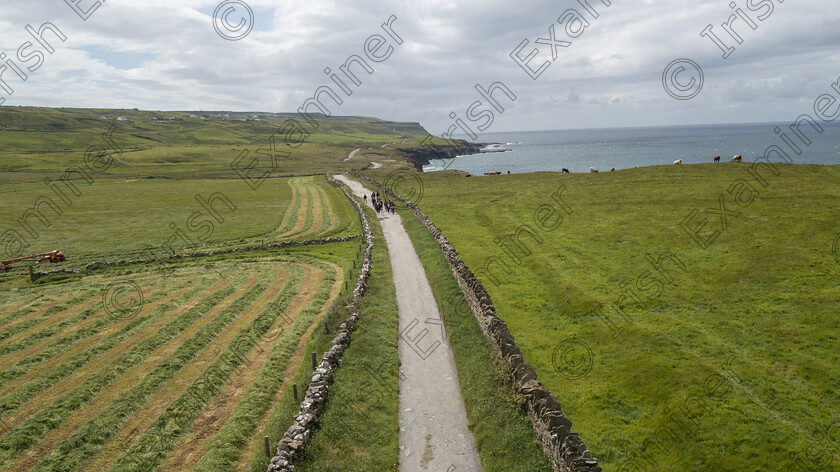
<point x="593" y="170"/>
<point x="677" y="162"/>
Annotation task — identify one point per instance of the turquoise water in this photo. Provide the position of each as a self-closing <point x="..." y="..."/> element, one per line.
<point x="622" y="148"/>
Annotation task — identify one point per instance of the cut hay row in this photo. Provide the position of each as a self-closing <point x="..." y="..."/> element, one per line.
<point x="174" y="416"/>
<point x="92" y="309"/>
<point x="323" y="212"/>
<point x="91" y="330"/>
<point x="218" y="420"/>
<point x="23" y="311"/>
<point x="281" y="354"/>
<point x="45" y="349"/>
<point x="295" y="213"/>
<point x="290" y="216"/>
<point x="303" y="218"/>
<point x="57" y="300"/>
<point x="311" y="212"/>
<point x="74" y="366"/>
<point x="35" y="428"/>
<point x="27" y="324"/>
<point x="136" y="399"/>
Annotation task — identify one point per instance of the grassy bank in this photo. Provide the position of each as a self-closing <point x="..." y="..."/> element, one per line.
<point x="359" y="425"/>
<point x="495" y="412"/>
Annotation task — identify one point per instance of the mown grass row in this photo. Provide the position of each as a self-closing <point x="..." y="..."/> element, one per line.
<point x="307" y="197"/>
<point x="336" y="215"/>
<point x="154" y="445"/>
<point x="13" y="330"/>
<point x="27" y="434"/>
<point x="232" y="440"/>
<point x="12" y="320"/>
<point x="360" y="422"/>
<point x="25" y="364"/>
<point x="19" y="397"/>
<point x="97" y="324"/>
<point x="93" y="435"/>
<point x="292" y="210"/>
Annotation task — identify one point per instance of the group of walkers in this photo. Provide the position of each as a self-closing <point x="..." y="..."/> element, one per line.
<point x="379" y="204"/>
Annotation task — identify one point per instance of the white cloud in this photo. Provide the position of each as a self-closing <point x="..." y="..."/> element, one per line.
<point x="609" y="76"/>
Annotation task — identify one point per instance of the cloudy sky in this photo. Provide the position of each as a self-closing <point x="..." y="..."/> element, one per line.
<point x="171" y="55"/>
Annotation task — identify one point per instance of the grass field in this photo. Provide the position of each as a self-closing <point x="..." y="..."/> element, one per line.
<point x="724" y="358"/>
<point x="176" y="372"/>
<point x="203" y="369"/>
<point x="129" y="219"/>
<point x="40" y="142"/>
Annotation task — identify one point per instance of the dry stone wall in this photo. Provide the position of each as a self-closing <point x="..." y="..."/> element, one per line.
<point x="563" y="447"/>
<point x="36" y="275"/>
<point x="295" y="438"/>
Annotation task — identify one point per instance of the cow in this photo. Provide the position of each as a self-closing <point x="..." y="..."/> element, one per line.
<point x="677" y="162"/>
<point x="736" y="158"/>
<point x="565" y="171"/>
<point x="717" y="158"/>
<point x="593" y="170"/>
<point x="612" y="169"/>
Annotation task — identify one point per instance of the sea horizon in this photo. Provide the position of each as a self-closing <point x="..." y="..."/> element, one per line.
<point x="643" y="146"/>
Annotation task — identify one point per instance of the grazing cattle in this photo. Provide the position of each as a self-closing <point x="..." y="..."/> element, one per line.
<point x="612" y="169"/>
<point x="678" y="162"/>
<point x="492" y="173"/>
<point x="593" y="170"/>
<point x="736" y="158"/>
<point x="717" y="158"/>
<point x="565" y="171"/>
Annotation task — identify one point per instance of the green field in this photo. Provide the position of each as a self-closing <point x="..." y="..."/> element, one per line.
<point x="176" y="372"/>
<point x="665" y="355"/>
<point x="203" y="368"/>
<point x="46" y="142"/>
<point x="732" y="365"/>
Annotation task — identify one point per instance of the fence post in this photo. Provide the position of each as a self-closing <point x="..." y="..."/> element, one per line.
<point x="267" y="448"/>
<point x="314" y="360"/>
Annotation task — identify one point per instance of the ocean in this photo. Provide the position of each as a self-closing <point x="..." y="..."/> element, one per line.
<point x="623" y="148"/>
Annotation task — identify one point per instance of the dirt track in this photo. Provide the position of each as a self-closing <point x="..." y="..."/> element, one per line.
<point x="433" y="423"/>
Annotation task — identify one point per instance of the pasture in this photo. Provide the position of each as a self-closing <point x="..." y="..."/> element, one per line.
<point x="665" y="355"/>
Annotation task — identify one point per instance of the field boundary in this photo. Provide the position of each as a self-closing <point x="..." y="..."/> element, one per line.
<point x="564" y="448"/>
<point x="281" y="244"/>
<point x="314" y="401"/>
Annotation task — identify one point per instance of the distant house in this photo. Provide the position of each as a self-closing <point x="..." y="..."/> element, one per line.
<point x="193" y="116"/>
<point x="104" y="118"/>
<point x="122" y="118"/>
<point x="154" y="118"/>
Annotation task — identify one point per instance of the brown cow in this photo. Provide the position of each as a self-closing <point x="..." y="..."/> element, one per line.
<point x="565" y="171"/>
<point x="717" y="158"/>
<point x="736" y="158"/>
